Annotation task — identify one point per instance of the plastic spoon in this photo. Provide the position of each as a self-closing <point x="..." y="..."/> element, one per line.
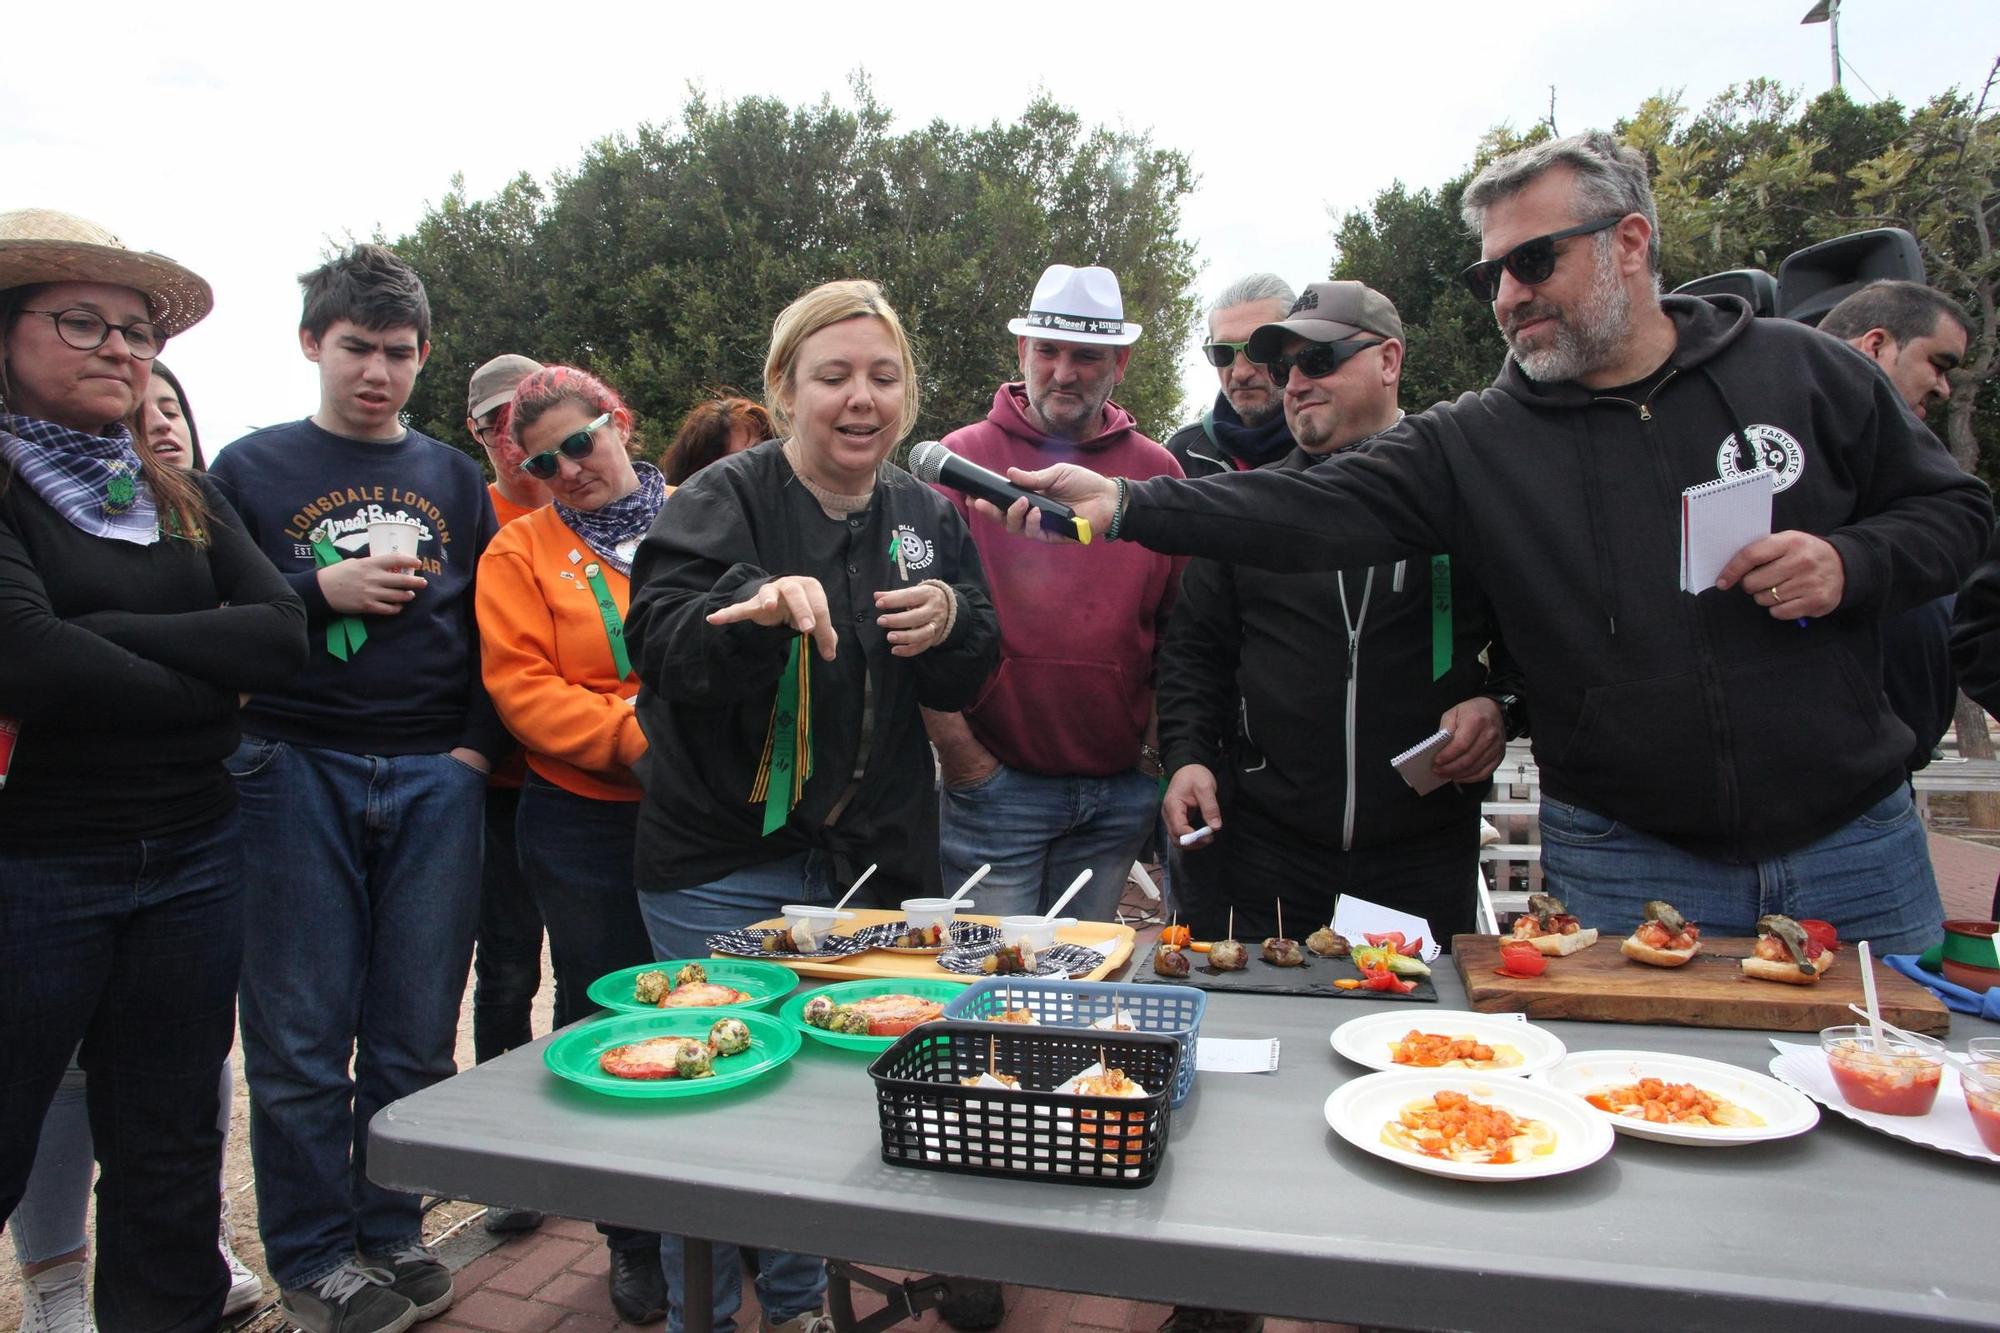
<point x="854" y="888"/>
<point x="1904" y="1035"/>
<point x="1868" y="996"/>
<point x="1069" y="893"/>
<point x="971" y="880"/>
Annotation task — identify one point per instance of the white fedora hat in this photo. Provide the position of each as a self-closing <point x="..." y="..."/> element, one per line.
<point x="1077" y="305"/>
<point x="39" y="245"/>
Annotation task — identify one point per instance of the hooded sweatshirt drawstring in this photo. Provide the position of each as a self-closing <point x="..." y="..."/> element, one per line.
<point x="1746" y="452"/>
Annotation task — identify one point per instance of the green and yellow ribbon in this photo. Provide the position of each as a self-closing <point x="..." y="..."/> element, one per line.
<point x="344" y="634"/>
<point x="1440" y="616"/>
<point x="614" y="624"/>
<point x="787" y="759"/>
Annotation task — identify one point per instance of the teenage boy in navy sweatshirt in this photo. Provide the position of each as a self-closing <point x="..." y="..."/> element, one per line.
<point x="362" y="788"/>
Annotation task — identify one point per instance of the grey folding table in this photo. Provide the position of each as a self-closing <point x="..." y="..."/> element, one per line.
<point x="1258" y="1204"/>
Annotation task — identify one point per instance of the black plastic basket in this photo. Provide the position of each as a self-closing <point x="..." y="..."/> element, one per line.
<point x="1173" y="1010"/>
<point x="933" y="1121"/>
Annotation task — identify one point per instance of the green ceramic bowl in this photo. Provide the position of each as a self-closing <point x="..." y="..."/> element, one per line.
<point x="764" y="983"/>
<point x="573" y="1055"/>
<point x="843" y="992"/>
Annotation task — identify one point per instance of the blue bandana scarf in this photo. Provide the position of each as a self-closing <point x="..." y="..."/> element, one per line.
<point x="614" y="531"/>
<point x="93" y="481"/>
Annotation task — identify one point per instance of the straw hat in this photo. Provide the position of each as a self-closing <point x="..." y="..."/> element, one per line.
<point x="40" y="245"/>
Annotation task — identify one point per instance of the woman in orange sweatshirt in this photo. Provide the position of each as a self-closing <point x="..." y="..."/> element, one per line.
<point x="553" y="588"/>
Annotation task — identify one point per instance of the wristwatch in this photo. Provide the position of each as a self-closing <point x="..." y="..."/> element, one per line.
<point x="1513" y="713"/>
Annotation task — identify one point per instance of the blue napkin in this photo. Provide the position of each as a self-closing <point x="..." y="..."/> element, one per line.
<point x="1957" y="997"/>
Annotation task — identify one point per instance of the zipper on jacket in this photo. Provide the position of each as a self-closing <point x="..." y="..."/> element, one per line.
<point x="1249" y="741"/>
<point x="1354" y="623"/>
<point x="1645" y="409"/>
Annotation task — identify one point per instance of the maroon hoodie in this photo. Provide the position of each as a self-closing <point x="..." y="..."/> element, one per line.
<point x="1078" y="624"/>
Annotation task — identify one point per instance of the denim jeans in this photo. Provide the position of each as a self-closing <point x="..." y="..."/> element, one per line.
<point x="1040" y="832"/>
<point x="507" y="964"/>
<point x="130" y="947"/>
<point x="679" y="922"/>
<point x="577" y="854"/>
<point x="1871" y="878"/>
<point x="361" y="894"/>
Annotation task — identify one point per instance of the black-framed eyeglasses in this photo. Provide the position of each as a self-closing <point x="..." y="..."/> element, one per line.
<point x="1317" y="360"/>
<point x="495" y="425"/>
<point x="1221" y="354"/>
<point x="577" y="445"/>
<point x="86" y="331"/>
<point x="1530" y="262"/>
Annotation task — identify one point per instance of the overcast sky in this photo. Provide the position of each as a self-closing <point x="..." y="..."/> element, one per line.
<point x="240" y="138"/>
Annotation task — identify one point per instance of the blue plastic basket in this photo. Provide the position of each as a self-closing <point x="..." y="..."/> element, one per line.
<point x="1173" y="1011"/>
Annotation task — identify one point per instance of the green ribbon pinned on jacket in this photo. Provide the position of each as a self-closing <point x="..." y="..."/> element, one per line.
<point x="614" y="624"/>
<point x="344" y="634"/>
<point x="1440" y="616"/>
<point x="787" y="760"/>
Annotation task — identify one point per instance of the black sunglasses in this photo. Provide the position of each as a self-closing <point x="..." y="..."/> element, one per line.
<point x="577" y="444"/>
<point x="1220" y="355"/>
<point x="1530" y="262"/>
<point x="1317" y="360"/>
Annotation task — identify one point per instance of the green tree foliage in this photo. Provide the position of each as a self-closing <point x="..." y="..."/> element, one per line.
<point x="660" y="261"/>
<point x="1752" y="177"/>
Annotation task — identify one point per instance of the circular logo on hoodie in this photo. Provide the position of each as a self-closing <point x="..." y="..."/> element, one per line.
<point x="917" y="553"/>
<point x="1776" y="450"/>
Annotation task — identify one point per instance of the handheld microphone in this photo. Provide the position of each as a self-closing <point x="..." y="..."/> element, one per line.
<point x="932" y="462"/>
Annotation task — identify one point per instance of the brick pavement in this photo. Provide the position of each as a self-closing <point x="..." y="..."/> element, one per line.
<point x="553" y="1281"/>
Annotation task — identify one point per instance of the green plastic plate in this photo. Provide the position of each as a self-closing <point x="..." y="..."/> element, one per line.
<point x="573" y="1055"/>
<point x="841" y="992"/>
<point x="764" y="983"/>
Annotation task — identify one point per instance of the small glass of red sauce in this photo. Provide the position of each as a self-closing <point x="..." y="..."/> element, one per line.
<point x="1900" y="1079"/>
<point x="1981" y="1081"/>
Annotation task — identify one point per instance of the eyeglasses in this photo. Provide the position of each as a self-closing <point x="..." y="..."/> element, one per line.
<point x="495" y="426"/>
<point x="1220" y="355"/>
<point x="87" y="331"/>
<point x="1530" y="262"/>
<point x="1317" y="360"/>
<point x="577" y="444"/>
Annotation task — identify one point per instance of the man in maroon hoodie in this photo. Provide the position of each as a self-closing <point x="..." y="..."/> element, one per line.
<point x="1053" y="770"/>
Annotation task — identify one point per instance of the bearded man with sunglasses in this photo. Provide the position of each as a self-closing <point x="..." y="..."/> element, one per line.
<point x="1730" y="752"/>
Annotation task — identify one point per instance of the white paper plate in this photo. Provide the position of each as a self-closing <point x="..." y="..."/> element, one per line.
<point x="1367" y="1040"/>
<point x="1357" y="1111"/>
<point x="1948" y="1128"/>
<point x="1784" y="1111"/>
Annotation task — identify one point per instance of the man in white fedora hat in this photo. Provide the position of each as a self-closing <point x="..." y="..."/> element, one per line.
<point x="1043" y="775"/>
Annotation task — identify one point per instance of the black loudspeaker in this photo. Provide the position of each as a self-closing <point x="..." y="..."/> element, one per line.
<point x="1814" y="280"/>
<point x="1754" y="285"/>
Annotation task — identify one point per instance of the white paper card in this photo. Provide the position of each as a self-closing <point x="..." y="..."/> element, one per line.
<point x="1355" y="919"/>
<point x="1720" y="518"/>
<point x="1233" y="1055"/>
<point x="1414" y="764"/>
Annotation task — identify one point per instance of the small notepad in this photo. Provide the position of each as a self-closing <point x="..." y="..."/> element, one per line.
<point x="1718" y="519"/>
<point x="1414" y="764"/>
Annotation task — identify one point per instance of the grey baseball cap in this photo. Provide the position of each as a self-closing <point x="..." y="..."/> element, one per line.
<point x="1327" y="312"/>
<point x="493" y="383"/>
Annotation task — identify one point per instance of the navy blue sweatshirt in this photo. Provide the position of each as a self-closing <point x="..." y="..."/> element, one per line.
<point x="414" y="686"/>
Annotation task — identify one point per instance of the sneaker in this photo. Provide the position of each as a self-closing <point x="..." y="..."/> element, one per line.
<point x="511" y="1221"/>
<point x="1194" y="1319"/>
<point x="246" y="1289"/>
<point x="57" y="1300"/>
<point x="812" y="1321"/>
<point x="350" y="1299"/>
<point x="417" y="1275"/>
<point x="973" y="1303"/>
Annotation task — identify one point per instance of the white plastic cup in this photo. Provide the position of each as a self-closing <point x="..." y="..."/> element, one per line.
<point x="393" y="536"/>
<point x="1037" y="932"/>
<point x="923" y="913"/>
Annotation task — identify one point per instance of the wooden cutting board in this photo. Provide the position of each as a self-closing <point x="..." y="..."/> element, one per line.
<point x="1600" y="984"/>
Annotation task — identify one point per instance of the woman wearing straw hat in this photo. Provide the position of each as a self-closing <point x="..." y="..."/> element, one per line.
<point x="137" y="615"/>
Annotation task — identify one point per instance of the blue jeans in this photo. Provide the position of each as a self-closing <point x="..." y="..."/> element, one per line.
<point x="131" y="948"/>
<point x="1040" y="832"/>
<point x="361" y="894"/>
<point x="1871" y="878"/>
<point x="507" y="965"/>
<point x="679" y="923"/>
<point x="577" y="854"/>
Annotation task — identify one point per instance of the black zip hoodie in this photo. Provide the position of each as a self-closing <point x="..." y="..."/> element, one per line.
<point x="1702" y="720"/>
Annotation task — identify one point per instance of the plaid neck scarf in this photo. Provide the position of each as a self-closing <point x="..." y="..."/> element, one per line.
<point x="93" y="481"/>
<point x="614" y="530"/>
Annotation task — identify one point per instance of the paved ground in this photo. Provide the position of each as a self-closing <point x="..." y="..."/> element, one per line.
<point x="554" y="1279"/>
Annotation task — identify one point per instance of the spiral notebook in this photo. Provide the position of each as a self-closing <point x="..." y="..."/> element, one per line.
<point x="1718" y="519"/>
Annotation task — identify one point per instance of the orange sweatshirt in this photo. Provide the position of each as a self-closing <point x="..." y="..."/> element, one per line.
<point x="504" y="509"/>
<point x="547" y="661"/>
